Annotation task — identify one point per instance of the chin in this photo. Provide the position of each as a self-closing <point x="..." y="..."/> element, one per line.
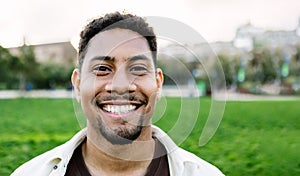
<point x="120" y="135"/>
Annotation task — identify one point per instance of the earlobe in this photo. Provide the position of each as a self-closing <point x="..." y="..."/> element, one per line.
<point x="75" y="78"/>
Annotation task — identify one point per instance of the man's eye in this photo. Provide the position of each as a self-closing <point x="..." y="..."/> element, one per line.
<point x="102" y="70"/>
<point x="138" y="70"/>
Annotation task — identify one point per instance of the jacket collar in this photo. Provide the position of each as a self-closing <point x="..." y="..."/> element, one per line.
<point x="64" y="152"/>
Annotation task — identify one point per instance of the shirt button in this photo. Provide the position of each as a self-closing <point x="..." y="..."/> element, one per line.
<point x="55" y="167"/>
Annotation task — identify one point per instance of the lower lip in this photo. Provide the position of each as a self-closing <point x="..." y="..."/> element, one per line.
<point x="118" y="116"/>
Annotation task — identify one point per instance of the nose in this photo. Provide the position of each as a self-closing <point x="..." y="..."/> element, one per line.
<point x="121" y="83"/>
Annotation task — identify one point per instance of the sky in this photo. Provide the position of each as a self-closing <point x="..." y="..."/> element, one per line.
<point x="45" y="21"/>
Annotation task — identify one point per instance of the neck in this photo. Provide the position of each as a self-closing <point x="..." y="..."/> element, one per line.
<point x="104" y="158"/>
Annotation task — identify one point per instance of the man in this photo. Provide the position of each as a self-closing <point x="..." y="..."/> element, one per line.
<point x="117" y="84"/>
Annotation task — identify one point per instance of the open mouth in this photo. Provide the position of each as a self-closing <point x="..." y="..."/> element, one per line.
<point x="118" y="108"/>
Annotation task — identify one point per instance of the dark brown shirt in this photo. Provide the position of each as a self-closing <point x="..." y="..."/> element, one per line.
<point x="158" y="167"/>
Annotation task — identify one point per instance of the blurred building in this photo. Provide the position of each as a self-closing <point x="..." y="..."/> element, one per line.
<point x="248" y="36"/>
<point x="61" y="53"/>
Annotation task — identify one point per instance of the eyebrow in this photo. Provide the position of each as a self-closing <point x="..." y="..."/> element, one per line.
<point x="102" y="58"/>
<point x="138" y="57"/>
<point x="112" y="59"/>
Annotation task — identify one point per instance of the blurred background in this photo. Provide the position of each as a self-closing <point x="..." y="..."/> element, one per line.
<point x="256" y="42"/>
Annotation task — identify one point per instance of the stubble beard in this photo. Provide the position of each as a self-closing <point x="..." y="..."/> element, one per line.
<point x="120" y="135"/>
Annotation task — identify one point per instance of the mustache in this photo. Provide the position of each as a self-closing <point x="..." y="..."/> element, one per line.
<point x="117" y="97"/>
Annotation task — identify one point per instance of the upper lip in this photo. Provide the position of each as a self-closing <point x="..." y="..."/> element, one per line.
<point x="120" y="100"/>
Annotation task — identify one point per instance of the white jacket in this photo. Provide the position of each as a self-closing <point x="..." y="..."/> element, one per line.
<point x="55" y="161"/>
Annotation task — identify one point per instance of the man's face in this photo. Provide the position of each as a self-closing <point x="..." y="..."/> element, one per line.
<point x="118" y="85"/>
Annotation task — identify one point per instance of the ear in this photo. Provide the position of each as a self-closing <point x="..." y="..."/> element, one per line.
<point x="159" y="82"/>
<point x="75" y="78"/>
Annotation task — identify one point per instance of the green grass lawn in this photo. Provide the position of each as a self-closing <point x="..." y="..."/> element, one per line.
<point x="254" y="138"/>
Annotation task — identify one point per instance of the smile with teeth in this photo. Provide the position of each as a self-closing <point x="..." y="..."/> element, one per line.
<point x="119" y="109"/>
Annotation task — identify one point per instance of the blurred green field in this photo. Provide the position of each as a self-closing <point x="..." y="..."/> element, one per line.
<point x="254" y="138"/>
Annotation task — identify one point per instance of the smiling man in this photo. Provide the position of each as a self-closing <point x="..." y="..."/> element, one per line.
<point x="117" y="84"/>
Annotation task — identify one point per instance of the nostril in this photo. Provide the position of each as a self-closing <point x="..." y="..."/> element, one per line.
<point x="132" y="87"/>
<point x="108" y="87"/>
<point x="131" y="98"/>
<point x="120" y="88"/>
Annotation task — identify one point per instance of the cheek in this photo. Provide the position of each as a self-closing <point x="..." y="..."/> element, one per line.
<point x="147" y="83"/>
<point x="150" y="90"/>
<point x="87" y="93"/>
<point x="91" y="86"/>
<point x="152" y="101"/>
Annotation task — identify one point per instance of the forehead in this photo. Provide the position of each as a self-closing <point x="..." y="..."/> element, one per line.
<point x="117" y="43"/>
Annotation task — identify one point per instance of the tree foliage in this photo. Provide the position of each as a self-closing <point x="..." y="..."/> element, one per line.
<point x="9" y="69"/>
<point x="17" y="72"/>
<point x="263" y="65"/>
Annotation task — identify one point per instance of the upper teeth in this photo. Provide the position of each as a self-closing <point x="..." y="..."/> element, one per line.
<point x="119" y="109"/>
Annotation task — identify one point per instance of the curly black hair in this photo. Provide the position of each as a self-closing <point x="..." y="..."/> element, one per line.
<point x="112" y="21"/>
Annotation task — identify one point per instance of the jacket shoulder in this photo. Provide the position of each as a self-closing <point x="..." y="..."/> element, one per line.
<point x="40" y="165"/>
<point x="194" y="165"/>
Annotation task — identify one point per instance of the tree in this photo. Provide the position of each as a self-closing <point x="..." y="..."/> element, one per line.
<point x="29" y="66"/>
<point x="263" y="66"/>
<point x="9" y="67"/>
<point x="268" y="67"/>
<point x="230" y="67"/>
<point x="52" y="76"/>
<point x="295" y="66"/>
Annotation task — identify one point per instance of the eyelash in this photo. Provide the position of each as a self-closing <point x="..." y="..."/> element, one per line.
<point x="138" y="70"/>
<point x="103" y="70"/>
